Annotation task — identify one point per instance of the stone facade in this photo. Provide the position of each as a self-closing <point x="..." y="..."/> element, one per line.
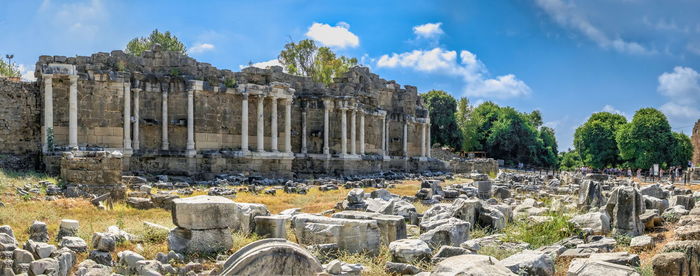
<point x="19" y="121"/>
<point x="168" y="113"/>
<point x="93" y="172"/>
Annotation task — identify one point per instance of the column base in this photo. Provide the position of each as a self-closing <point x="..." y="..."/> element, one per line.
<point x="422" y="159"/>
<point x="386" y="157"/>
<point x="191" y="153"/>
<point x="127" y="152"/>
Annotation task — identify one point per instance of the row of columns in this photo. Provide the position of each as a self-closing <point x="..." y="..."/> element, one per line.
<point x="190" y="146"/>
<point x="260" y="134"/>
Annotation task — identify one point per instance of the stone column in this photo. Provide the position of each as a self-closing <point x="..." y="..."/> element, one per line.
<point x="135" y="144"/>
<point x="405" y="138"/>
<point x="422" y="139"/>
<point x="127" y="119"/>
<point x="273" y="125"/>
<point x="362" y="133"/>
<point x="429" y="145"/>
<point x="304" y="150"/>
<point x="73" y="113"/>
<point x="244" y="124"/>
<point x="326" y="109"/>
<point x="385" y="128"/>
<point x="48" y="112"/>
<point x="191" y="152"/>
<point x="343" y="132"/>
<point x="261" y="124"/>
<point x="353" y="132"/>
<point x="164" y="124"/>
<point x="288" y="125"/>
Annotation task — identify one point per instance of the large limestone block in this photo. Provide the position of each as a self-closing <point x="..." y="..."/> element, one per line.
<point x="409" y="250"/>
<point x="585" y="267"/>
<point x="204" y="212"/>
<point x="391" y="227"/>
<point x="471" y="265"/>
<point x="692" y="253"/>
<point x="452" y="232"/>
<point x="208" y="241"/>
<point x="531" y="263"/>
<point x="355" y="235"/>
<point x="671" y="263"/>
<point x="599" y="222"/>
<point x="271" y="226"/>
<point x="590" y="194"/>
<point x="245" y="216"/>
<point x="625" y="205"/>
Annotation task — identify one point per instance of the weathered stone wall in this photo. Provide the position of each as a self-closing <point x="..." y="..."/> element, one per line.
<point x="481" y="165"/>
<point x="19" y="124"/>
<point x="93" y="172"/>
<point x="103" y="79"/>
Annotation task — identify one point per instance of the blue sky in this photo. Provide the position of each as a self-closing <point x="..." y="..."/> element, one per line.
<point x="567" y="58"/>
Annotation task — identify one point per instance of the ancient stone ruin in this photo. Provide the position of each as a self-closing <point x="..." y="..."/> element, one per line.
<point x="169" y="114"/>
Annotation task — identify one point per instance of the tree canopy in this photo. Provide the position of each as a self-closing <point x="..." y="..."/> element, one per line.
<point x="595" y="140"/>
<point x="166" y="40"/>
<point x="443" y="124"/>
<point x="646" y="140"/>
<point x="320" y="63"/>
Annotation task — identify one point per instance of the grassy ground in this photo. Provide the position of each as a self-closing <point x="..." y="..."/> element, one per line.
<point x="20" y="212"/>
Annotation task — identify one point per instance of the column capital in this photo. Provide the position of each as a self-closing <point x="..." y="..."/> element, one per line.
<point x="47" y="76"/>
<point x="136" y="90"/>
<point x="73" y="77"/>
<point x="245" y="96"/>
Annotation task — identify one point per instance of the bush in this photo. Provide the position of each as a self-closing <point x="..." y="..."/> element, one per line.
<point x="623" y="240"/>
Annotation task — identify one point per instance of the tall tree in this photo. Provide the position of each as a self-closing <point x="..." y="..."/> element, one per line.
<point x="569" y="160"/>
<point x="513" y="138"/>
<point x="443" y="124"/>
<point x="682" y="150"/>
<point x="595" y="140"/>
<point x="166" y="40"/>
<point x="467" y="125"/>
<point x="646" y="140"/>
<point x="548" y="153"/>
<point x="320" y="63"/>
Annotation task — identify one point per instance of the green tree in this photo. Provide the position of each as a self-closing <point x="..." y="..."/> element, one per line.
<point x="320" y="63"/>
<point x="484" y="116"/>
<point x="166" y="40"/>
<point x="443" y="124"/>
<point x="548" y="152"/>
<point x="513" y="138"/>
<point x="8" y="69"/>
<point x="569" y="160"/>
<point x="467" y="125"/>
<point x="682" y="150"/>
<point x="595" y="140"/>
<point x="646" y="140"/>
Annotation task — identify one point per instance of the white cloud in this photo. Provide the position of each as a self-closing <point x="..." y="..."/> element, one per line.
<point x="333" y="36"/>
<point x="27" y="72"/>
<point x="428" y="30"/>
<point x="568" y="16"/>
<point x="472" y="71"/>
<point x="263" y="64"/>
<point x="612" y="109"/>
<point x="201" y="48"/>
<point x="83" y="19"/>
<point x="682" y="87"/>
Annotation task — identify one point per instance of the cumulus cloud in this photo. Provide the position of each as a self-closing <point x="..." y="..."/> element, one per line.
<point x="83" y="19"/>
<point x="201" y="48"/>
<point x="338" y="36"/>
<point x="468" y="67"/>
<point x="612" y="109"/>
<point x="568" y="16"/>
<point x="27" y="72"/>
<point x="682" y="87"/>
<point x="263" y="64"/>
<point x="428" y="30"/>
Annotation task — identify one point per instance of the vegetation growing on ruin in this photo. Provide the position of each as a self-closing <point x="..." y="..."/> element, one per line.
<point x="167" y="41"/>
<point x="305" y="58"/>
<point x="8" y="69"/>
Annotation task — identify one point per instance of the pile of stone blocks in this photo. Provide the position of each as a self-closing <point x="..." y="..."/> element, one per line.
<point x="203" y="225"/>
<point x="352" y="235"/>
